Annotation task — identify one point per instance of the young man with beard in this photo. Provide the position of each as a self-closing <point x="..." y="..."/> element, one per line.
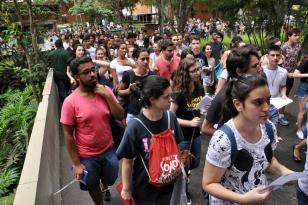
<point x="85" y="117"/>
<point x="167" y="62"/>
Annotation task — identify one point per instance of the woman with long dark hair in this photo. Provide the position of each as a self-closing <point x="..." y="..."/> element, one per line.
<point x="242" y="150"/>
<point x="187" y="93"/>
<point x="136" y="148"/>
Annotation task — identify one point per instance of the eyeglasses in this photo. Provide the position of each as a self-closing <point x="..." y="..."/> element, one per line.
<point x="88" y="71"/>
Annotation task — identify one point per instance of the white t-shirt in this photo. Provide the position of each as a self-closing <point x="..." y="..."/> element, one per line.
<point x="120" y="68"/>
<point x="246" y="173"/>
<point x="275" y="79"/>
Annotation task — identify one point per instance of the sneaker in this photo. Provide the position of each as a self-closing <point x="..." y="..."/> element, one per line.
<point x="300" y="134"/>
<point x="283" y="121"/>
<point x="107" y="195"/>
<point x="188" y="198"/>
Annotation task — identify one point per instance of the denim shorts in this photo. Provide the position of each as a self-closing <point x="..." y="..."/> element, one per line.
<point x="302" y="90"/>
<point x="104" y="167"/>
<point x="302" y="198"/>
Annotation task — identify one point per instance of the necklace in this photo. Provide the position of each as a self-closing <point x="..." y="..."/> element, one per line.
<point x="272" y="78"/>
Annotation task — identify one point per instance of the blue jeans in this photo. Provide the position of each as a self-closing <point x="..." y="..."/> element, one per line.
<point x="302" y="198"/>
<point x="104" y="167"/>
<point x="195" y="150"/>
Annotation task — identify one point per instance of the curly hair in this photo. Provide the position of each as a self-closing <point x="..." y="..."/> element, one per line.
<point x="181" y="80"/>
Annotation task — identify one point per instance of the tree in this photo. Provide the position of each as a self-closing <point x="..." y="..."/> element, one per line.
<point x="92" y="8"/>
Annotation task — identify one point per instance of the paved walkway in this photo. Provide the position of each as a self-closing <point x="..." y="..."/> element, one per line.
<point x="285" y="196"/>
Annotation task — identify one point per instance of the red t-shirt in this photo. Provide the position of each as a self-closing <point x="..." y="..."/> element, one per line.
<point x="91" y="120"/>
<point x="165" y="69"/>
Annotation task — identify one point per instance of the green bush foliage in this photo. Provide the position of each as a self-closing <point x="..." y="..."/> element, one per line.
<point x="16" y="121"/>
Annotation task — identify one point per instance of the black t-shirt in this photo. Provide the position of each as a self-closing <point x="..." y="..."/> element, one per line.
<point x="214" y="112"/>
<point x="134" y="105"/>
<point x="188" y="110"/>
<point x="201" y="60"/>
<point x="136" y="142"/>
<point x="304" y="69"/>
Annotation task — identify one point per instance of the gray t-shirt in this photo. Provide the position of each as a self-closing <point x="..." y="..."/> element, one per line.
<point x="275" y="79"/>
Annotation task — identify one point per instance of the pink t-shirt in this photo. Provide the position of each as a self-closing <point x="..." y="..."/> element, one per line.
<point x="165" y="69"/>
<point x="91" y="120"/>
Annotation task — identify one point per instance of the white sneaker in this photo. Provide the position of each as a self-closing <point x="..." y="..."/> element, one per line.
<point x="300" y="134"/>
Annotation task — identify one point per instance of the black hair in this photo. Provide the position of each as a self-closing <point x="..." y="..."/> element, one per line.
<point x="136" y="52"/>
<point x="293" y="31"/>
<point x="164" y="43"/>
<point x="131" y="35"/>
<point x="236" y="40"/>
<point x="239" y="58"/>
<point x="221" y="35"/>
<point x="274" y="48"/>
<point x="78" y="61"/>
<point x="194" y="37"/>
<point x="239" y="88"/>
<point x="157" y="38"/>
<point x="75" y="48"/>
<point x="58" y="43"/>
<point x="204" y="47"/>
<point x="153" y="87"/>
<point x="272" y="41"/>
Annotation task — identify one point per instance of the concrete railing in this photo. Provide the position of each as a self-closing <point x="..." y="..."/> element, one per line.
<point x="40" y="176"/>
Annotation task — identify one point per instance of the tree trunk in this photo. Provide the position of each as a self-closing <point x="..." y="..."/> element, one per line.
<point x="160" y="16"/>
<point x="33" y="32"/>
<point x="20" y="39"/>
<point x="182" y="14"/>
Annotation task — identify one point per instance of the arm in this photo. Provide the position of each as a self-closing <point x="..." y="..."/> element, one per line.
<point x="278" y="168"/>
<point x="283" y="92"/>
<point x="115" y="108"/>
<point x="298" y="74"/>
<point x="124" y="90"/>
<point x="195" y="122"/>
<point x="207" y="127"/>
<point x="113" y="73"/>
<point x="220" y="84"/>
<point x="100" y="62"/>
<point x="127" y="165"/>
<point x="71" y="148"/>
<point x="211" y="183"/>
<point x="69" y="75"/>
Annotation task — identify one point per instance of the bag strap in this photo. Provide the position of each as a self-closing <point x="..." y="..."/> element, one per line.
<point x="145" y="167"/>
<point x="270" y="131"/>
<point x="143" y="125"/>
<point x="230" y="134"/>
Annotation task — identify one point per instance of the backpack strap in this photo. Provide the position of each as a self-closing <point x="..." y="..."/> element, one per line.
<point x="143" y="125"/>
<point x="230" y="134"/>
<point x="168" y="113"/>
<point x="270" y="131"/>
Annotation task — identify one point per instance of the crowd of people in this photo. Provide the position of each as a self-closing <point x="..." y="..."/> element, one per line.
<point x="152" y="85"/>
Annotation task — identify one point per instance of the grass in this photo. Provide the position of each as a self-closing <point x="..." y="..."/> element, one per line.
<point x="226" y="41"/>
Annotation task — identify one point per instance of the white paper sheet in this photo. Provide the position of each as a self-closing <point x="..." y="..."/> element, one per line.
<point x="279" y="182"/>
<point x="205" y="103"/>
<point x="279" y="102"/>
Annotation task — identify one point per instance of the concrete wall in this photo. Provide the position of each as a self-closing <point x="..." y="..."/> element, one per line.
<point x="40" y="176"/>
